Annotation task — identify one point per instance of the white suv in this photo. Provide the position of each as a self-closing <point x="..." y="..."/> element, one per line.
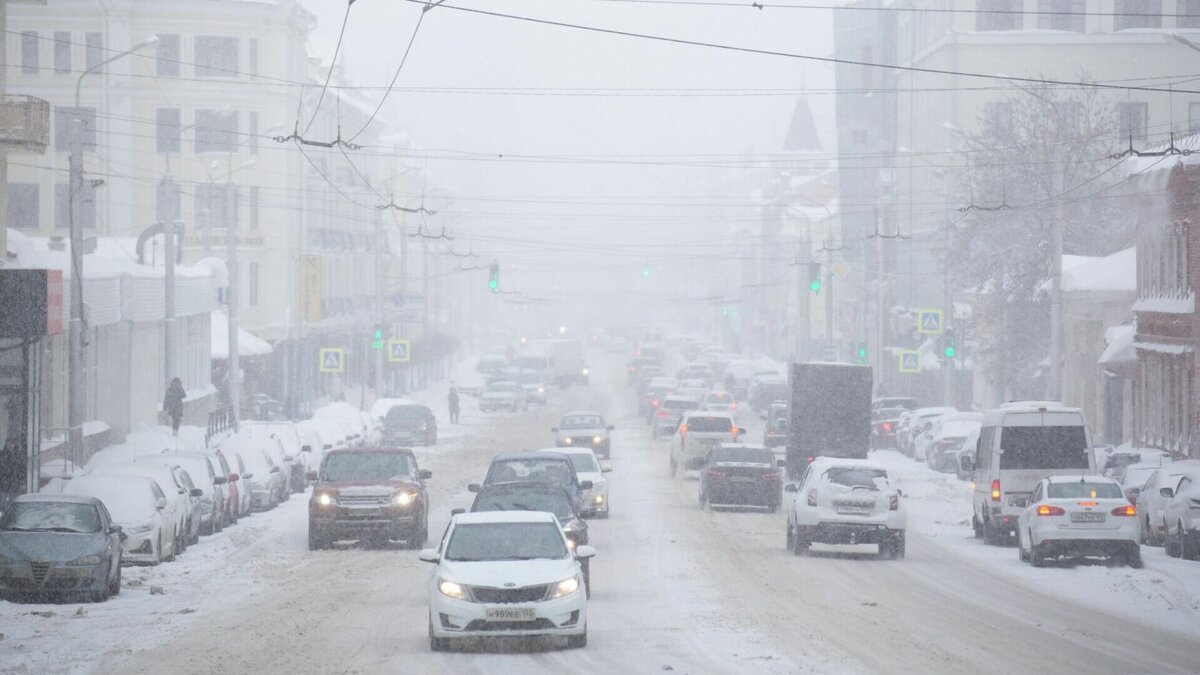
<point x="698" y="432"/>
<point x="845" y="501"/>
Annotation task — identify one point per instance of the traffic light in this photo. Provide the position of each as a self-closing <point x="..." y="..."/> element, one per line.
<point x="948" y="344"/>
<point x="494" y="277"/>
<point x="814" y="273"/>
<point x="377" y="341"/>
<point x="645" y="270"/>
<point x="860" y="352"/>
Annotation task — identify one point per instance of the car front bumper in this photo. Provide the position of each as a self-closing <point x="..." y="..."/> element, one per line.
<point x="345" y="523"/>
<point x="850" y="533"/>
<point x="24" y="577"/>
<point x="139" y="548"/>
<point x="595" y="501"/>
<point x="450" y="618"/>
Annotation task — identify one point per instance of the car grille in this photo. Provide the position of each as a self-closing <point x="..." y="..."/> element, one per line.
<point x="363" y="500"/>
<point x="509" y="595"/>
<point x="40" y="570"/>
<point x="500" y="626"/>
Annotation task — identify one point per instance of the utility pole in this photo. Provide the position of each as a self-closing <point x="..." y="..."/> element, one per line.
<point x="380" y="318"/>
<point x="234" y="380"/>
<point x="169" y="229"/>
<point x="1054" y="372"/>
<point x="425" y="305"/>
<point x="75" y="355"/>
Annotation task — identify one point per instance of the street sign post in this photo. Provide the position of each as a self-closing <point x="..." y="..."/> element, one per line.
<point x="929" y="322"/>
<point x="333" y="360"/>
<point x="398" y="351"/>
<point x="310" y="287"/>
<point x="910" y="361"/>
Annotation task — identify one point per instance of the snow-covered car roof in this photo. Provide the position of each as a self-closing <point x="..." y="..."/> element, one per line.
<point x="498" y="517"/>
<point x="708" y="413"/>
<point x="833" y="462"/>
<point x="1081" y="478"/>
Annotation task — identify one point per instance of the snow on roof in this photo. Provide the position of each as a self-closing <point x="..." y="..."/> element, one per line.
<point x="1120" y="345"/>
<point x="113" y="257"/>
<point x="1111" y="273"/>
<point x="248" y="344"/>
<point x="1167" y="304"/>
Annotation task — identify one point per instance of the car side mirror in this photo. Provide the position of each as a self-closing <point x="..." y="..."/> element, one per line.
<point x="306" y="448"/>
<point x="968" y="462"/>
<point x="429" y="555"/>
<point x="310" y="475"/>
<point x="584" y="552"/>
<point x="424" y="474"/>
<point x="196" y="492"/>
<point x="605" y="468"/>
<point x="473" y="487"/>
<point x="220" y="480"/>
<point x="233" y="477"/>
<point x="585" y="485"/>
<point x="791" y="487"/>
<point x="1166" y="492"/>
<point x="114" y="529"/>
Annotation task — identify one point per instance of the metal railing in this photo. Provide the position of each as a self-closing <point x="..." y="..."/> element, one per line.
<point x="220" y="421"/>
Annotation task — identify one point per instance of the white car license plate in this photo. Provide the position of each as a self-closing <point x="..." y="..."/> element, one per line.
<point x="509" y="614"/>
<point x="853" y="510"/>
<point x="1087" y="517"/>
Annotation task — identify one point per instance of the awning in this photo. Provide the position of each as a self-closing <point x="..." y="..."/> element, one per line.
<point x="1120" y="356"/>
<point x="248" y="344"/>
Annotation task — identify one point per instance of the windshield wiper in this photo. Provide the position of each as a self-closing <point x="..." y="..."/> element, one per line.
<point x="524" y="507"/>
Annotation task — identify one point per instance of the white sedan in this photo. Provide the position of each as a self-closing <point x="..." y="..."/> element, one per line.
<point x="506" y="572"/>
<point x="594" y="501"/>
<point x="137" y="505"/>
<point x="1182" y="516"/>
<point x="1078" y="516"/>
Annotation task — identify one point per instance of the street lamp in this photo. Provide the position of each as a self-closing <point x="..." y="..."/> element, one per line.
<point x="75" y="353"/>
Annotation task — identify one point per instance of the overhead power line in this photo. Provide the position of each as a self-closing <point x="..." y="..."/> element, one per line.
<point x="761" y="5"/>
<point x="329" y="72"/>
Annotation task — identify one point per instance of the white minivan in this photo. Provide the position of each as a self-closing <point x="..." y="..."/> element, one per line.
<point x="1018" y="446"/>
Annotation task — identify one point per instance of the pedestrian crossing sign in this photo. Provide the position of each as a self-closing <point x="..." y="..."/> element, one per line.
<point x="333" y="360"/>
<point x="398" y="351"/>
<point x="910" y="361"/>
<point x="929" y="322"/>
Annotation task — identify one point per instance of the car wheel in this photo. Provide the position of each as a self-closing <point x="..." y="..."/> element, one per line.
<point x="800" y="545"/>
<point x="100" y="595"/>
<point x="991" y="534"/>
<point x="585" y="566"/>
<point x="174" y="545"/>
<point x="114" y="586"/>
<point x="1145" y="535"/>
<point x="1036" y="555"/>
<point x="977" y="526"/>
<point x="1133" y="557"/>
<point x="788" y="545"/>
<point x="1171" y="544"/>
<point x="1187" y="550"/>
<point x="1021" y="554"/>
<point x="703" y="499"/>
<point x="773" y="507"/>
<point x="577" y="641"/>
<point x="437" y="644"/>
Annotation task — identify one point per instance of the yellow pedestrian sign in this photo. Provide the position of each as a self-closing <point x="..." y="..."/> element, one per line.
<point x="910" y="361"/>
<point x="398" y="351"/>
<point x="333" y="360"/>
<point x="929" y="322"/>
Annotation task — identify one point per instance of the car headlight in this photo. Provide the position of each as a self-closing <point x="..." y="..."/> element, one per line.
<point x="141" y="529"/>
<point x="541" y="390"/>
<point x="86" y="560"/>
<point x="568" y="440"/>
<point x="598" y="499"/>
<point x="586" y="371"/>
<point x="452" y="590"/>
<point x="325" y="499"/>
<point x="566" y="587"/>
<point x="404" y="498"/>
<point x="597" y="440"/>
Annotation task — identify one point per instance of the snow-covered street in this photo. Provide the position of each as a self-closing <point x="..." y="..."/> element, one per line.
<point x="675" y="588"/>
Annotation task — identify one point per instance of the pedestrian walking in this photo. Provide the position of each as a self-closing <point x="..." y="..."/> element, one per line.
<point x="452" y="399"/>
<point x="173" y="404"/>
<point x="12" y="472"/>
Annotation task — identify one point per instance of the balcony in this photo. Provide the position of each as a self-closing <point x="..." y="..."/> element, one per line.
<point x="24" y="123"/>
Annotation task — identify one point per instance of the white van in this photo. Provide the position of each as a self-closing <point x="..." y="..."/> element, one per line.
<point x="1018" y="446"/>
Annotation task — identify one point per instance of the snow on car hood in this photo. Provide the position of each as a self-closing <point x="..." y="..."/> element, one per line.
<point x="52" y="546"/>
<point x="500" y="573"/>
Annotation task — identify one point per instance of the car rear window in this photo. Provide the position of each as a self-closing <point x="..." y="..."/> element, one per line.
<point x="1043" y="448"/>
<point x="1084" y="490"/>
<point x="549" y="470"/>
<point x="680" y="404"/>
<point x="856" y="476"/>
<point x="745" y="455"/>
<point x="557" y="502"/>
<point x="405" y="413"/>
<point x="710" y="424"/>
<point x="720" y="398"/>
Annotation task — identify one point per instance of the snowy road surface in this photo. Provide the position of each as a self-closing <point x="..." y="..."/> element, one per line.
<point x="674" y="588"/>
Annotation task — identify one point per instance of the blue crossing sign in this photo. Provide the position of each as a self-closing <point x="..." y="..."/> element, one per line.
<point x="929" y="322"/>
<point x="910" y="361"/>
<point x="333" y="360"/>
<point x="398" y="351"/>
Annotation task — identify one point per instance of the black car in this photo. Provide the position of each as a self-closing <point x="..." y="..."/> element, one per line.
<point x="543" y="466"/>
<point x="736" y="474"/>
<point x="537" y="496"/>
<point x="409" y="424"/>
<point x="372" y="495"/>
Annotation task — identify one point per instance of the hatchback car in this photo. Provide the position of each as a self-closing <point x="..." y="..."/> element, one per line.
<point x="698" y="433"/>
<point x="741" y="475"/>
<point x="1182" y="516"/>
<point x="845" y="501"/>
<point x="594" y="502"/>
<point x="583" y="429"/>
<point x="506" y="573"/>
<point x="1078" y="516"/>
<point x="545" y="466"/>
<point x="55" y="544"/>
<point x="368" y="494"/>
<point x="670" y="412"/>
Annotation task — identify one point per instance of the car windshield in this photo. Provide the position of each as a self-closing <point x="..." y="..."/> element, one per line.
<point x="1043" y="448"/>
<point x="744" y="455"/>
<point x="502" y="387"/>
<point x="1084" y="490"/>
<point x="548" y="470"/>
<point x="581" y="422"/>
<point x="709" y="424"/>
<point x="584" y="463"/>
<point x="552" y="501"/>
<point x="857" y="477"/>
<point x="51" y="517"/>
<point x="405" y="414"/>
<point x="477" y="542"/>
<point x="367" y="466"/>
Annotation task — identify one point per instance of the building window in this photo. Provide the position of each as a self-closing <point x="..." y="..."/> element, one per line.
<point x="23" y="206"/>
<point x="1134" y="122"/>
<point x="1188" y="14"/>
<point x="254" y="208"/>
<point x="167" y="130"/>
<point x="253" y="122"/>
<point x="216" y="130"/>
<point x="215" y="205"/>
<point x="166" y="56"/>
<point x="1061" y="15"/>
<point x="998" y="15"/>
<point x="168" y="202"/>
<point x="93" y="50"/>
<point x="1137" y="14"/>
<point x="64" y="125"/>
<point x="216" y="56"/>
<point x="30" y="52"/>
<point x="997" y="117"/>
<point x="1194" y="117"/>
<point x="252" y="284"/>
<point x="62" y="52"/>
<point x="252" y="63"/>
<point x="87" y="206"/>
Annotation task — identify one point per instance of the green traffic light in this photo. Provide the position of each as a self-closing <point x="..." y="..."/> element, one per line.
<point x="815" y="285"/>
<point x="645" y="270"/>
<point x="493" y="284"/>
<point x="950" y="351"/>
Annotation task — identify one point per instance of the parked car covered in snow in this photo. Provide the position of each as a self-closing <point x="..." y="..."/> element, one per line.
<point x="179" y="498"/>
<point x="137" y="505"/>
<point x="1182" y="515"/>
<point x="56" y="544"/>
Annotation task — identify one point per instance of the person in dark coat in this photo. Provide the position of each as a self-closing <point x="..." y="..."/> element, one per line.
<point x="12" y="472"/>
<point x="173" y="403"/>
<point x="452" y="400"/>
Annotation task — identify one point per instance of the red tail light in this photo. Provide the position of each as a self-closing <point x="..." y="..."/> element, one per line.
<point x="662" y="413"/>
<point x="812" y="497"/>
<point x="735" y="432"/>
<point x="771" y="475"/>
<point x="1049" y="510"/>
<point x="682" y="429"/>
<point x="893" y="502"/>
<point x="886" y="426"/>
<point x="996" y="490"/>
<point x="734" y="407"/>
<point x="654" y="403"/>
<point x="715" y="473"/>
<point x="1130" y="510"/>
